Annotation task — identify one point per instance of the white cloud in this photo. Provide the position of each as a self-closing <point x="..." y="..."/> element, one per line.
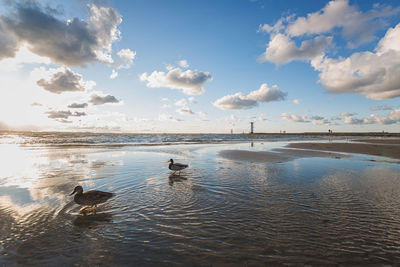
<point x="125" y="58"/>
<point x="78" y="105"/>
<point x="266" y="94"/>
<point x="241" y="101"/>
<point x="236" y="101"/>
<point x="36" y="104"/>
<point x="64" y="80"/>
<point x="114" y="74"/>
<point x="185" y="111"/>
<point x="296" y="101"/>
<point x="318" y="120"/>
<point x="192" y="100"/>
<point x="168" y="117"/>
<point x="374" y="75"/>
<point x="182" y="102"/>
<point x="347" y="114"/>
<point x="382" y="107"/>
<point x="260" y="117"/>
<point x="281" y="49"/>
<point x="63" y="115"/>
<point x="183" y="63"/>
<point x="97" y="99"/>
<point x="22" y="57"/>
<point x="73" y="42"/>
<point x="294" y="118"/>
<point x="392" y="118"/>
<point x="353" y="23"/>
<point x="203" y="115"/>
<point x="189" y="82"/>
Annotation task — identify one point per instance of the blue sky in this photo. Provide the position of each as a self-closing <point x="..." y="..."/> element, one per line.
<point x="200" y="66"/>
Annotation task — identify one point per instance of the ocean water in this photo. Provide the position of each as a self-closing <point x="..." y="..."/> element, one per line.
<point x="315" y="211"/>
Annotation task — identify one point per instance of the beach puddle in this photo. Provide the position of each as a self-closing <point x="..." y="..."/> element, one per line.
<point x="319" y="210"/>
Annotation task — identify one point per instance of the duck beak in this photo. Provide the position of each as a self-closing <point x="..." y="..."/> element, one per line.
<point x="72" y="193"/>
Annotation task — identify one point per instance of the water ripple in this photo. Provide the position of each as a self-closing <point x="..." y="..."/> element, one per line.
<point x="217" y="212"/>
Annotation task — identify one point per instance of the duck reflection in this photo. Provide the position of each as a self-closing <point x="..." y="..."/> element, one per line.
<point x="176" y="178"/>
<point x="92" y="219"/>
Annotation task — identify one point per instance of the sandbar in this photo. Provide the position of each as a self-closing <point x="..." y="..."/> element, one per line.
<point x="276" y="155"/>
<point x="384" y="148"/>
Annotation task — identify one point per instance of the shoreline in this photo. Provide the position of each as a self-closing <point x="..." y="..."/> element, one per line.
<point x="367" y="134"/>
<point x="277" y="155"/>
<point x="382" y="148"/>
<point x="389" y="148"/>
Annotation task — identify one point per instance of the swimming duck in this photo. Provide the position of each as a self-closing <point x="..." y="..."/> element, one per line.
<point x="90" y="198"/>
<point x="176" y="167"/>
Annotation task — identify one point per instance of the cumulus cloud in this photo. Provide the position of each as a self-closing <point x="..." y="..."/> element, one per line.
<point x="192" y="100"/>
<point x="296" y="101"/>
<point x="392" y="118"/>
<point x="78" y="105"/>
<point x="318" y="120"/>
<point x="64" y="80"/>
<point x="168" y="117"/>
<point x="183" y="63"/>
<point x="96" y="99"/>
<point x="189" y="82"/>
<point x="63" y="115"/>
<point x="236" y="101"/>
<point x="347" y="114"/>
<point x="125" y="58"/>
<point x="353" y="23"/>
<point x="382" y="107"/>
<point x="74" y="42"/>
<point x="260" y="117"/>
<point x="114" y="74"/>
<point x="293" y="118"/>
<point x="185" y="111"/>
<point x="241" y="101"/>
<point x="375" y="75"/>
<point x="281" y="49"/>
<point x="182" y="102"/>
<point x="203" y="115"/>
<point x="372" y="74"/>
<point x="36" y="104"/>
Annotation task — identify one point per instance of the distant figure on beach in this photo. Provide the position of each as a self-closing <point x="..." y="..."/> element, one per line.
<point x="90" y="199"/>
<point x="176" y="167"/>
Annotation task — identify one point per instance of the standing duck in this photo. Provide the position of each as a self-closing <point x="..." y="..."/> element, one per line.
<point x="176" y="167"/>
<point x="90" y="198"/>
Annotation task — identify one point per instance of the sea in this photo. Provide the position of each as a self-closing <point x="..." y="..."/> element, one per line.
<point x="217" y="212"/>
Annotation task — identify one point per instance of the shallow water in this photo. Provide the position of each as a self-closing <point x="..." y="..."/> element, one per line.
<point x="318" y="211"/>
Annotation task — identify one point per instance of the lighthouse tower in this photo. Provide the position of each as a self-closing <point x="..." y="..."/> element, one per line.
<point x="251" y="127"/>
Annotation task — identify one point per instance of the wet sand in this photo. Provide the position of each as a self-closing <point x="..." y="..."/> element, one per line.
<point x="377" y="147"/>
<point x="380" y="147"/>
<point x="276" y="155"/>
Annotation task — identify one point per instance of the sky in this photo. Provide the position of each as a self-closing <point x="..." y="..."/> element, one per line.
<point x="172" y="66"/>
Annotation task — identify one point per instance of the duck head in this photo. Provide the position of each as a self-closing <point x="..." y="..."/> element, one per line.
<point x="171" y="160"/>
<point x="78" y="189"/>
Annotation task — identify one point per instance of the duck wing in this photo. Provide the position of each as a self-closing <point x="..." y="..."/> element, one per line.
<point x="94" y="197"/>
<point x="178" y="166"/>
